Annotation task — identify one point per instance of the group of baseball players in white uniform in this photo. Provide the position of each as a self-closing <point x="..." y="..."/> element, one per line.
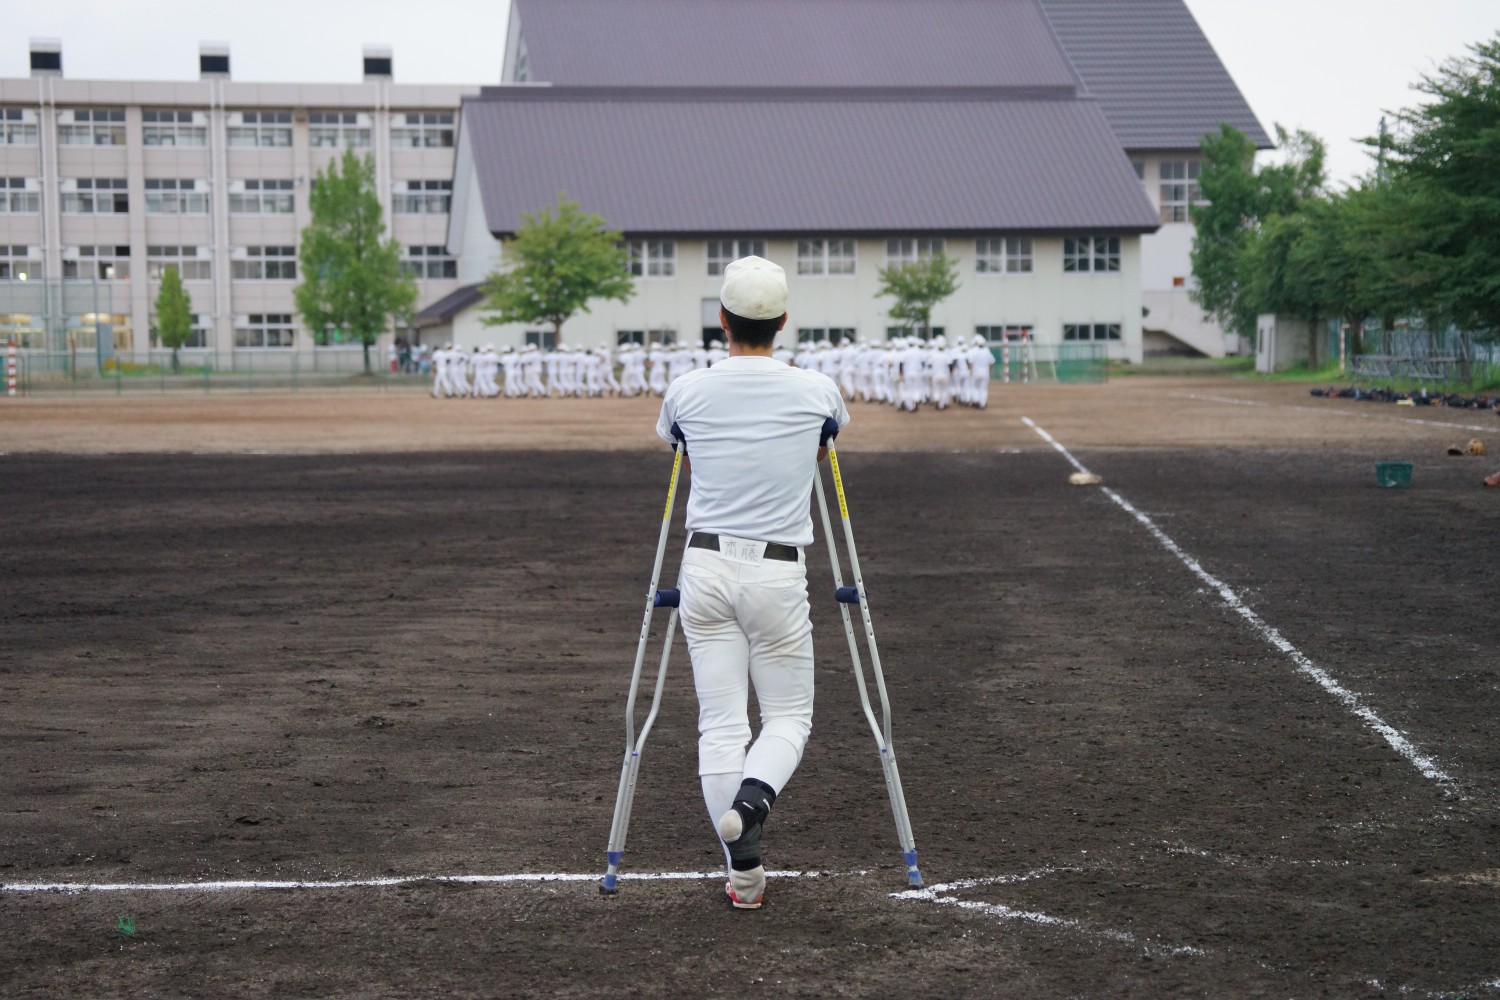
<point x="905" y="372"/>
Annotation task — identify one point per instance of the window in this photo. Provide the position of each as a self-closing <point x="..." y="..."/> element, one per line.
<point x="892" y="332"/>
<point x="623" y="337"/>
<point x="422" y="130"/>
<point x="832" y="334"/>
<point x="264" y="330"/>
<point x="96" y="263"/>
<point x="169" y="196"/>
<point x="18" y="127"/>
<point x="92" y="127"/>
<point x="653" y="258"/>
<point x="202" y="327"/>
<point x="260" y="128"/>
<point x="1091" y="331"/>
<point x="825" y="257"/>
<point x="1002" y="334"/>
<point x="722" y="252"/>
<point x="1003" y="255"/>
<point x="431" y="262"/>
<point x="264" y="264"/>
<point x="1179" y="189"/>
<point x="422" y="197"/>
<point x="335" y="129"/>
<point x="1091" y="253"/>
<point x="192" y="263"/>
<point x="542" y="340"/>
<point x="173" y="128"/>
<point x="909" y="251"/>
<point x="95" y="196"/>
<point x="18" y="196"/>
<point x="260" y="197"/>
<point x="18" y="263"/>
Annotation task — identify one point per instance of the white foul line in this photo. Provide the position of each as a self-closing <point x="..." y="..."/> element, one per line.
<point x="1349" y="699"/>
<point x="1336" y="413"/>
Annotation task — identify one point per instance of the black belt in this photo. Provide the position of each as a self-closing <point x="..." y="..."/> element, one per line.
<point x="774" y="550"/>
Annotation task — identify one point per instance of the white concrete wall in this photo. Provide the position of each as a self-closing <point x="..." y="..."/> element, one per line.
<point x="1046" y="299"/>
<point x="1167" y="275"/>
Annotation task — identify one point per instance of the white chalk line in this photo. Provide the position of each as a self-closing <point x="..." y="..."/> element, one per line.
<point x="1394" y="737"/>
<point x="1336" y="413"/>
<point x="938" y="894"/>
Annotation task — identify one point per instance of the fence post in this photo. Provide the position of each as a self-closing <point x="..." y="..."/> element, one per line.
<point x="1005" y="360"/>
<point x="10" y="367"/>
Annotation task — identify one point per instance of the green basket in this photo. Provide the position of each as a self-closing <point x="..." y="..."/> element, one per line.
<point x="1393" y="475"/>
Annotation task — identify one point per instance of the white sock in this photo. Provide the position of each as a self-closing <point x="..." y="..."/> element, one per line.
<point x="718" y="794"/>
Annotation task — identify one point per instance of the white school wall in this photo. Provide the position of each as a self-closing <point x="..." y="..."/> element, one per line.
<point x="1045" y="299"/>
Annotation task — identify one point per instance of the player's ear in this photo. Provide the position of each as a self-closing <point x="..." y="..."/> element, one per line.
<point x="781" y="325"/>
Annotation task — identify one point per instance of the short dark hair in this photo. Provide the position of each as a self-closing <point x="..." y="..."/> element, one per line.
<point x="756" y="333"/>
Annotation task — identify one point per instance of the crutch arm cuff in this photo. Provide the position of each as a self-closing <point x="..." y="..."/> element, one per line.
<point x="830" y="431"/>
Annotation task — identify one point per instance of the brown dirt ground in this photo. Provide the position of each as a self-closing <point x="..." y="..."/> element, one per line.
<point x="398" y="646"/>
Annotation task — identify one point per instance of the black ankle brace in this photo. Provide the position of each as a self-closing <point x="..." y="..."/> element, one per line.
<point x="753" y="802"/>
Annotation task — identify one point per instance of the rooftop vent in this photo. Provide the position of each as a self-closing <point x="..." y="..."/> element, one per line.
<point x="378" y="62"/>
<point x="46" y="57"/>
<point x="213" y="60"/>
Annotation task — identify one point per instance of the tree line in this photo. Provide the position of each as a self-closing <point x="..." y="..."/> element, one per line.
<point x="1417" y="237"/>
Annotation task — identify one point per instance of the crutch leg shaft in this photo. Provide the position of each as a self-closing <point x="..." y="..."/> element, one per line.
<point x="880" y="728"/>
<point x="635" y="743"/>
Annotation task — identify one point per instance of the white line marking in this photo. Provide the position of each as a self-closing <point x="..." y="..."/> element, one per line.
<point x="375" y="883"/>
<point x="937" y="894"/>
<point x="1336" y="413"/>
<point x="1349" y="699"/>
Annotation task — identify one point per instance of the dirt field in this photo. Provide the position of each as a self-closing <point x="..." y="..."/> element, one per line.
<point x="1223" y="726"/>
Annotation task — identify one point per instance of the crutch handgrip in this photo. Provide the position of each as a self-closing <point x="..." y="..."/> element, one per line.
<point x="679" y="438"/>
<point x="668" y="597"/>
<point x="846" y="595"/>
<point x="830" y="431"/>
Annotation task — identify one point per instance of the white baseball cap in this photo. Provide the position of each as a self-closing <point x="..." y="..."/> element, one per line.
<point x="754" y="288"/>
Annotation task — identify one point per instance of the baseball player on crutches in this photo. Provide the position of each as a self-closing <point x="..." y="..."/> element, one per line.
<point x="750" y="427"/>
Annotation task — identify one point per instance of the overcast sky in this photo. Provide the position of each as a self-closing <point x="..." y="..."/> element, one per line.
<point x="1328" y="66"/>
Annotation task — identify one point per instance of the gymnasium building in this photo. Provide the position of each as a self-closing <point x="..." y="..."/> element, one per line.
<point x="1048" y="146"/>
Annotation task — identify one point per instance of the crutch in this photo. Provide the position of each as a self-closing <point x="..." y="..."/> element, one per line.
<point x="630" y="768"/>
<point x="846" y="596"/>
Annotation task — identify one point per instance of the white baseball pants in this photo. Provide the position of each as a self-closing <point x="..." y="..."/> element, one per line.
<point x="746" y="622"/>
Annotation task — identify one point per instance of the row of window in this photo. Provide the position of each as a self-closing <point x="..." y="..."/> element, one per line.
<point x="995" y="335"/>
<point x="174" y="196"/>
<point x="182" y="128"/>
<point x="193" y="263"/>
<point x="1179" y="189"/>
<point x="836" y="257"/>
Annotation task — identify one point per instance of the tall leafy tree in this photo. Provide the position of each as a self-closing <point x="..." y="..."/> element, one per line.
<point x="352" y="282"/>
<point x="917" y="287"/>
<point x="560" y="260"/>
<point x="1239" y="199"/>
<point x="174" y="314"/>
<point x="1447" y="152"/>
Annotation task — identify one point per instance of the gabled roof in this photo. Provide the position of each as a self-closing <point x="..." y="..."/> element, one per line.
<point x="788" y="162"/>
<point x="448" y="306"/>
<point x="1160" y="82"/>
<point x="791" y="43"/>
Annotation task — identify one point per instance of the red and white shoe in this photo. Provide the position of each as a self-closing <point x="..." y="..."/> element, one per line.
<point x="747" y="890"/>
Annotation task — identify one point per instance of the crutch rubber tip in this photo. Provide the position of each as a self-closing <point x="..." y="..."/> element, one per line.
<point x="609" y="885"/>
<point x="847" y="595"/>
<point x="668" y="598"/>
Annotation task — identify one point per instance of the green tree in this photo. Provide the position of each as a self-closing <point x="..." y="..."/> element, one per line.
<point x="174" y="314"/>
<point x="1239" y="199"/>
<point x="352" y="280"/>
<point x="918" y="286"/>
<point x="559" y="260"/>
<point x="1447" y="154"/>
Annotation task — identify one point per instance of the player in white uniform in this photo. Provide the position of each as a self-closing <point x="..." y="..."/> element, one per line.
<point x="632" y="370"/>
<point x="751" y="428"/>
